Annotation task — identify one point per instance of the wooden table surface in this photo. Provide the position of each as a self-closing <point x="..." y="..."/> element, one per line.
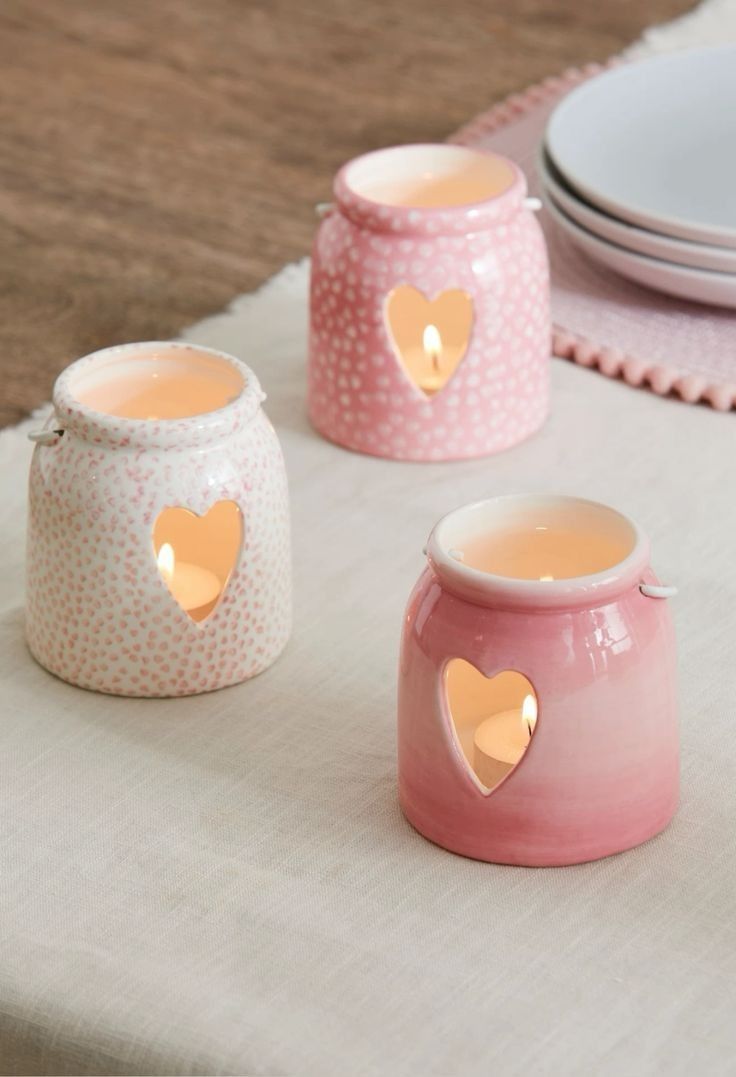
<point x="157" y="158"/>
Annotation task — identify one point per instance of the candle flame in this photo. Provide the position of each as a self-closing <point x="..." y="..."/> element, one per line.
<point x="529" y="713"/>
<point x="166" y="561"/>
<point x="546" y="578"/>
<point x="432" y="342"/>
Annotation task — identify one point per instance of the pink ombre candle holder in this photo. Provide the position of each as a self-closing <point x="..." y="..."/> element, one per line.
<point x="158" y="535"/>
<point x="537" y="686"/>
<point x="430" y="324"/>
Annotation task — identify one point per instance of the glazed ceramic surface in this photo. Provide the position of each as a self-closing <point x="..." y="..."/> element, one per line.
<point x="654" y="142"/>
<point x="700" y="285"/>
<point x="361" y="394"/>
<point x="601" y="772"/>
<point x="99" y="613"/>
<point x="680" y="251"/>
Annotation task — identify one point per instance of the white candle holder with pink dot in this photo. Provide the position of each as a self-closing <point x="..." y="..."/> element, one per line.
<point x="158" y="536"/>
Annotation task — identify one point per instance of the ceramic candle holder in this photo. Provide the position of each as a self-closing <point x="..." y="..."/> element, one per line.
<point x="158" y="536"/>
<point x="430" y="325"/>
<point x="537" y="688"/>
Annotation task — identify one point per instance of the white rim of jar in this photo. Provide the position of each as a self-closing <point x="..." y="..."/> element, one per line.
<point x="98" y="426"/>
<point x="428" y="220"/>
<point x="508" y="592"/>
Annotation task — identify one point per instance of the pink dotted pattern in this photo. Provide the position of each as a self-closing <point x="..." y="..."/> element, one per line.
<point x="360" y="395"/>
<point x="99" y="614"/>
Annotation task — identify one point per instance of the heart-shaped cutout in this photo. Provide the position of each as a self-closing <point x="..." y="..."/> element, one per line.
<point x="493" y="719"/>
<point x="429" y="336"/>
<point x="197" y="554"/>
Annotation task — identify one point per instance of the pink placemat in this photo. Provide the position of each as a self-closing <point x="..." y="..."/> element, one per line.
<point x="602" y="320"/>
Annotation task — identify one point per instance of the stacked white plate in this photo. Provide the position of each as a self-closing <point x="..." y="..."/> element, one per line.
<point x="638" y="167"/>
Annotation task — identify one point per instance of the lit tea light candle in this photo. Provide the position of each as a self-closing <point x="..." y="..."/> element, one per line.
<point x="196" y="589"/>
<point x="501" y="740"/>
<point x="432" y="343"/>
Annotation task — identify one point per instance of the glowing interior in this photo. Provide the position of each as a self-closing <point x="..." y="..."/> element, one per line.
<point x="430" y="337"/>
<point x="196" y="555"/>
<point x="158" y="383"/>
<point x="429" y="176"/>
<point x="542" y="539"/>
<point x="494" y="718"/>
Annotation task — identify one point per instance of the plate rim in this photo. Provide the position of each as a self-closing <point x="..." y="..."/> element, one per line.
<point x="551" y="185"/>
<point x="678" y="228"/>
<point x="676" y="271"/>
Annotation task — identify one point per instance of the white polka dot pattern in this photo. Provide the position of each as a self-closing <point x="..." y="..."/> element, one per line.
<point x="360" y="395"/>
<point x="99" y="614"/>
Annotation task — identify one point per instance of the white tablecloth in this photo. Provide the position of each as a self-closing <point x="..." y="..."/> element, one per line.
<point x="225" y="884"/>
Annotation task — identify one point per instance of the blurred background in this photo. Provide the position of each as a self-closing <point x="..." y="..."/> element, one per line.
<point x="158" y="158"/>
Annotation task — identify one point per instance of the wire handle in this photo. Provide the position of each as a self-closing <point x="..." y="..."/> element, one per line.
<point x="657" y="590"/>
<point x="48" y="434"/>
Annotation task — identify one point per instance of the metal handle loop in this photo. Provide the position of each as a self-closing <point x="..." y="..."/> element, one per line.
<point x="45" y="436"/>
<point x="654" y="590"/>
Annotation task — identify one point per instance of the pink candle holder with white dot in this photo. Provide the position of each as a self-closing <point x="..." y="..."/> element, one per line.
<point x="429" y="306"/>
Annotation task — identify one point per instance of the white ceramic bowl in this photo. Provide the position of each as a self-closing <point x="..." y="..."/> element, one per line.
<point x="700" y="285"/>
<point x="654" y="143"/>
<point x="680" y="251"/>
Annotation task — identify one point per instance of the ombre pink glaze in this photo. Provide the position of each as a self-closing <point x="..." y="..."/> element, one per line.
<point x="359" y="393"/>
<point x="601" y="772"/>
